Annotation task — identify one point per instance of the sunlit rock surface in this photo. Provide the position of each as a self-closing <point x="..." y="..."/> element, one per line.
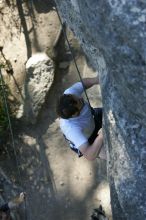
<point x="112" y="34"/>
<point x="39" y="78"/>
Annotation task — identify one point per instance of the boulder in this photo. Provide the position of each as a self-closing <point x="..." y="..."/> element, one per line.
<point x="39" y="78"/>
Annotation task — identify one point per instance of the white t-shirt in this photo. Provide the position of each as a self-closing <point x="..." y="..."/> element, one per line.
<point x="80" y="128"/>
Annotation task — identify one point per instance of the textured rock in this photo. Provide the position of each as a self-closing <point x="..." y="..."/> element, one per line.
<point x="27" y="27"/>
<point x="39" y="78"/>
<point x="8" y="187"/>
<point x="2" y="4"/>
<point x="112" y="34"/>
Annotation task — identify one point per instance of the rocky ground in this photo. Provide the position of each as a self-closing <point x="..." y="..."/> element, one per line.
<point x="58" y="184"/>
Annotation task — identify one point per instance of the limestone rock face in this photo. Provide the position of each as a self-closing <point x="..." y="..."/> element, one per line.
<point x="112" y="34"/>
<point x="39" y="78"/>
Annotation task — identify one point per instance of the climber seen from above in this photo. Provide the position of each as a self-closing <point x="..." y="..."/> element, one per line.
<point x="81" y="124"/>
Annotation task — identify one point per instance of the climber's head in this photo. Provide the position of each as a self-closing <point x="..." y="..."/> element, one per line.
<point x="69" y="106"/>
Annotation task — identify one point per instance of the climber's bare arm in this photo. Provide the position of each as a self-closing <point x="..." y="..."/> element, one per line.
<point x="91" y="152"/>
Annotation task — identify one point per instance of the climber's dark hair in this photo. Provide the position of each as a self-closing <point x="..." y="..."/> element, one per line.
<point x="66" y="106"/>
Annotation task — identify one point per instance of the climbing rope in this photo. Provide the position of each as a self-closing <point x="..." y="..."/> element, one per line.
<point x="9" y="121"/>
<point x="7" y="110"/>
<point x="73" y="57"/>
<point x="11" y="132"/>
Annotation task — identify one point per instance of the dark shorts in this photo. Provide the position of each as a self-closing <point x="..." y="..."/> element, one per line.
<point x="97" y="113"/>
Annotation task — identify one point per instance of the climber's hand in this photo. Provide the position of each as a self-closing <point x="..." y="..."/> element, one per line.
<point x="100" y="133"/>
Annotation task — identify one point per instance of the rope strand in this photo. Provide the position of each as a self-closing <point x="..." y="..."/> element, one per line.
<point x="12" y="136"/>
<point x="64" y="32"/>
<point x="10" y="126"/>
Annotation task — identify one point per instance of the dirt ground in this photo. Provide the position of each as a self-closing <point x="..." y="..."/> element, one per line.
<point x="58" y="184"/>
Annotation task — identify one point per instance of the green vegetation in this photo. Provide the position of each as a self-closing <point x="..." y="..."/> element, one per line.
<point x="2" y="65"/>
<point x="3" y="114"/>
<point x="6" y="105"/>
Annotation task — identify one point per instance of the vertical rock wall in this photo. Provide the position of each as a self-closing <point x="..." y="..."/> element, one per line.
<point x="112" y="34"/>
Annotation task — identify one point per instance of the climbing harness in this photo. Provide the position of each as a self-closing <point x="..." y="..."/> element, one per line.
<point x="93" y="112"/>
<point x="11" y="132"/>
<point x="72" y="147"/>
